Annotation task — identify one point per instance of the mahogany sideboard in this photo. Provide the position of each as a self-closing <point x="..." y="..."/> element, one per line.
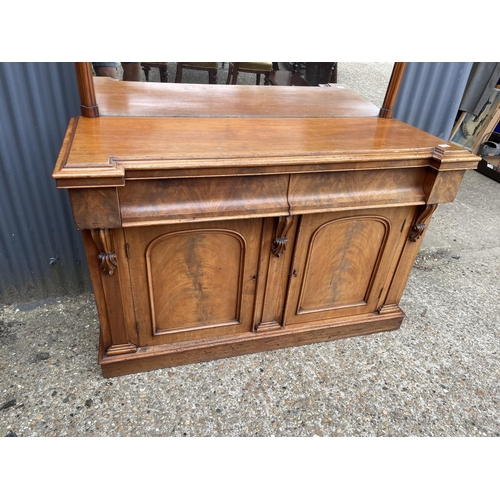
<point x="217" y="224"/>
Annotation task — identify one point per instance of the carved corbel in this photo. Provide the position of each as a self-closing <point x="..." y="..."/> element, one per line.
<point x="107" y="257"/>
<point x="280" y="240"/>
<point x="418" y="227"/>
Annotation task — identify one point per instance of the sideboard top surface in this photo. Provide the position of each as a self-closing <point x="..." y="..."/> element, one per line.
<point x="106" y="147"/>
<point x="117" y="98"/>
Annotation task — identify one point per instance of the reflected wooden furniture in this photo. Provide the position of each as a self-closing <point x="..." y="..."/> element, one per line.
<point x="334" y="73"/>
<point x="287" y="78"/>
<point x="321" y="72"/>
<point x="183" y="99"/>
<point x="215" y="236"/>
<point x="161" y="66"/>
<point x="257" y="68"/>
<point x="210" y="67"/>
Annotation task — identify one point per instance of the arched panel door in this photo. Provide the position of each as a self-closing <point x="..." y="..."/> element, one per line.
<point x="342" y="263"/>
<point x="193" y="281"/>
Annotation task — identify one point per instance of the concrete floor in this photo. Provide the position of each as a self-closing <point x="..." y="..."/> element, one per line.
<point x="436" y="376"/>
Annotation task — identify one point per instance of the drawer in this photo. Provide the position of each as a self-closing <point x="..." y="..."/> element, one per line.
<point x="328" y="191"/>
<point x="148" y="202"/>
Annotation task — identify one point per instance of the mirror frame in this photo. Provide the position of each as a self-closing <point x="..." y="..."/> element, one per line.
<point x="89" y="107"/>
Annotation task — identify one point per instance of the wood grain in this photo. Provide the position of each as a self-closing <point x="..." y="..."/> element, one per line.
<point x="277" y="273"/>
<point x="180" y="200"/>
<point x="162" y="356"/>
<point x="102" y="150"/>
<point x="341" y="263"/>
<point x="442" y="187"/>
<point x="342" y="259"/>
<point x="317" y="192"/>
<point x="88" y="106"/>
<point x="95" y="208"/>
<point x="240" y="141"/>
<point x="109" y="287"/>
<point x="392" y="90"/>
<point x="193" y="281"/>
<point x="118" y="98"/>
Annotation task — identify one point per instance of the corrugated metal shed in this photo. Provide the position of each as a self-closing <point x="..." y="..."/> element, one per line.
<point x="430" y="95"/>
<point x="41" y="252"/>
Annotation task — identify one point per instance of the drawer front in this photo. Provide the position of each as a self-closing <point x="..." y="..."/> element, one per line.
<point x="161" y="201"/>
<point x="333" y="191"/>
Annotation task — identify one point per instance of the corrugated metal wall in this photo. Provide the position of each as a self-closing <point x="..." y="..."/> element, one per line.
<point x="430" y="95"/>
<point x="41" y="252"/>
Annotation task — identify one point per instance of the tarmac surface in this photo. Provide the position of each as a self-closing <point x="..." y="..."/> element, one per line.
<point x="435" y="376"/>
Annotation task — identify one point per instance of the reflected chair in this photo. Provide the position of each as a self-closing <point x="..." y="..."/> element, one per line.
<point x="211" y="67"/>
<point x="258" y="68"/>
<point x="162" y="66"/>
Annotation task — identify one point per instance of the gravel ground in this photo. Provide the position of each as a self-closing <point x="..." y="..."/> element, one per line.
<point x="436" y="376"/>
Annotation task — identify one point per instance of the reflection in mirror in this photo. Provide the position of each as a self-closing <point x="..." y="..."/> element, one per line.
<point x="134" y="94"/>
<point x="369" y="79"/>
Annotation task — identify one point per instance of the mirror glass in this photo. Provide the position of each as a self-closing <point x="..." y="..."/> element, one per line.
<point x="369" y="79"/>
